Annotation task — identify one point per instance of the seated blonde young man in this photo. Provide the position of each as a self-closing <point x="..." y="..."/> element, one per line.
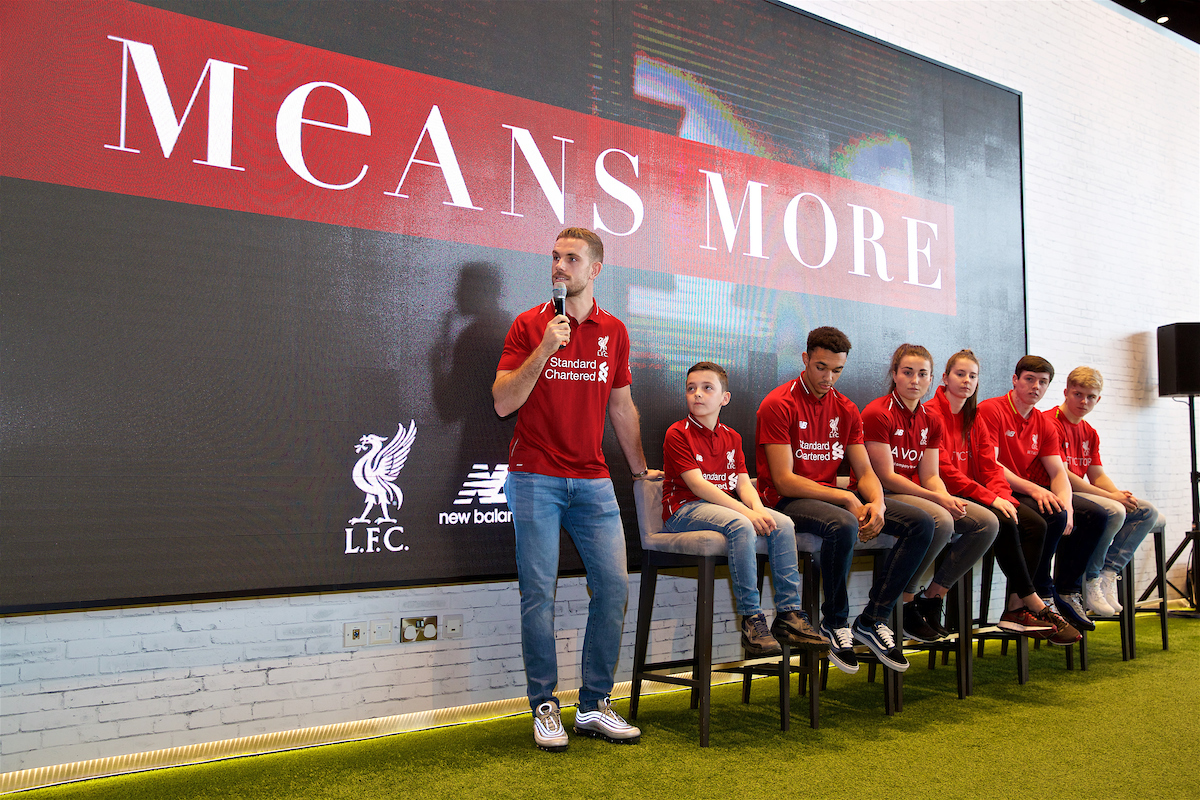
<point x="1129" y="518"/>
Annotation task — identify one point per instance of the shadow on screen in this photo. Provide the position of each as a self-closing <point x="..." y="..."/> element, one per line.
<point x="463" y="366"/>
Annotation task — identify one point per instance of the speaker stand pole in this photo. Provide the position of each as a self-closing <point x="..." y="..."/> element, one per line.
<point x="1192" y="537"/>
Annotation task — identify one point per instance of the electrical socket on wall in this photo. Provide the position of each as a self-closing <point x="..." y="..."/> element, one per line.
<point x="454" y="626"/>
<point x="418" y="629"/>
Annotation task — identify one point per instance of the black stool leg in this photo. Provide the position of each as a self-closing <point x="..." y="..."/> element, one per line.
<point x="642" y="636"/>
<point x="814" y="663"/>
<point x="1022" y="659"/>
<point x="961" y="604"/>
<point x="811" y="660"/>
<point x="1083" y="659"/>
<point x="702" y="665"/>
<point x="988" y="564"/>
<point x="748" y="675"/>
<point x="1125" y="619"/>
<point x="1160" y="545"/>
<point x="785" y="687"/>
<point x="896" y="678"/>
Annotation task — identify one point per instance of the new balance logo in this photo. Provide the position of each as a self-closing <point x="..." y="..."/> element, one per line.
<point x="482" y="486"/>
<point x="486" y="488"/>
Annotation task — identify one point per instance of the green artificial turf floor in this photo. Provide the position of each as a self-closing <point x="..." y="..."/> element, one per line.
<point x="1119" y="730"/>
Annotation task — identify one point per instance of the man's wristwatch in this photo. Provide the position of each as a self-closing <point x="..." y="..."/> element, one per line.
<point x="641" y="474"/>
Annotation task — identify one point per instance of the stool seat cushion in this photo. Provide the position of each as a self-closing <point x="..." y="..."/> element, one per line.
<point x="880" y="542"/>
<point x="693" y="543"/>
<point x="647" y="496"/>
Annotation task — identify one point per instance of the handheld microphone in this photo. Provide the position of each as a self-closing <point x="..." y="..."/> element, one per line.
<point x="560" y="302"/>
<point x="560" y="298"/>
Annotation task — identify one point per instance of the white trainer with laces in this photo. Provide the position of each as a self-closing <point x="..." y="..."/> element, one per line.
<point x="1093" y="594"/>
<point x="604" y="723"/>
<point x="548" y="731"/>
<point x="1108" y="585"/>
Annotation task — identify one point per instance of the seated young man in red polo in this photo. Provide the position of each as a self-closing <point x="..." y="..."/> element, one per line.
<point x="1129" y="519"/>
<point x="1028" y="448"/>
<point x="806" y="430"/>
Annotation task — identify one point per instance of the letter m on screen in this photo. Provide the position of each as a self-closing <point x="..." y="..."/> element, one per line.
<point x="168" y="125"/>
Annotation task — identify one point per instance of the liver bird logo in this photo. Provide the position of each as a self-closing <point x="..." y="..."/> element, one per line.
<point x="378" y="468"/>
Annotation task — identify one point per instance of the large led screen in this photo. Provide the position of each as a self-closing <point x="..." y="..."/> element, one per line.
<point x="259" y="260"/>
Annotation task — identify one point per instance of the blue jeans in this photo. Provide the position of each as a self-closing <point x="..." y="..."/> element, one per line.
<point x="587" y="509"/>
<point x="838" y="531"/>
<point x="1075" y="549"/>
<point x="741" y="543"/>
<point x="1123" y="532"/>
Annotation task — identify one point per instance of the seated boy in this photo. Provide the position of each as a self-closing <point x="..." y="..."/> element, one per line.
<point x="1128" y="518"/>
<point x="706" y="487"/>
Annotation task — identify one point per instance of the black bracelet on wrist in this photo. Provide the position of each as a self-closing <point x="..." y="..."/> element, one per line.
<point x="641" y="474"/>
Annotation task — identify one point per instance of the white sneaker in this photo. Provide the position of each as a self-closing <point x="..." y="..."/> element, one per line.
<point x="1093" y="593"/>
<point x="548" y="731"/>
<point x="1108" y="585"/>
<point x="604" y="723"/>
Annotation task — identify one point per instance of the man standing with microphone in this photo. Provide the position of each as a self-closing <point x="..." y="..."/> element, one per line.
<point x="563" y="372"/>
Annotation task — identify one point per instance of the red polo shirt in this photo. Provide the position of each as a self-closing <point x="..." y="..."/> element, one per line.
<point x="689" y="445"/>
<point x="1023" y="442"/>
<point x="908" y="433"/>
<point x="560" y="428"/>
<point x="968" y="468"/>
<point x="1079" y="442"/>
<point x="818" y="431"/>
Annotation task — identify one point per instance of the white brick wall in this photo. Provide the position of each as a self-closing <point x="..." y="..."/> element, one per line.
<point x="92" y="684"/>
<point x="1111" y="118"/>
<point x="1112" y="193"/>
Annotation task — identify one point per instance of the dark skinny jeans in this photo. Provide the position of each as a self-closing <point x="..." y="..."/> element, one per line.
<point x="1018" y="548"/>
<point x="838" y="531"/>
<point x="1055" y="521"/>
